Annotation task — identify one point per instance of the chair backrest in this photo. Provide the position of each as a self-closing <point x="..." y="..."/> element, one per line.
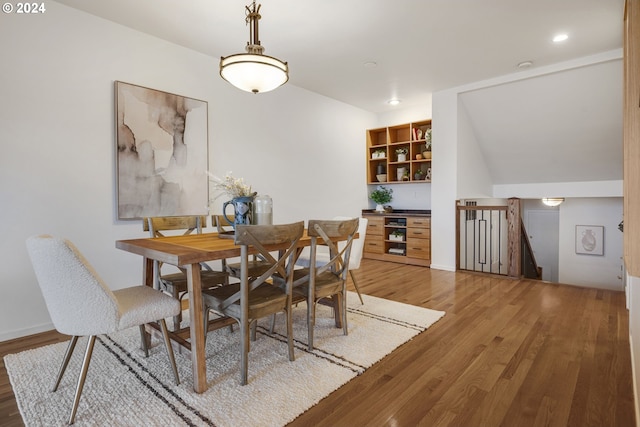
<point x="330" y="232"/>
<point x="358" y="244"/>
<point x="186" y="224"/>
<point x="281" y="238"/>
<point x="77" y="299"/>
<point x="221" y="223"/>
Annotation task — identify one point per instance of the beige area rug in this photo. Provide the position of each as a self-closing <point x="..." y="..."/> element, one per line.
<point x="124" y="388"/>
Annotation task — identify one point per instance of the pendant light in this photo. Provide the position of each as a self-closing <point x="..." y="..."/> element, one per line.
<point x="552" y="201"/>
<point x="253" y="71"/>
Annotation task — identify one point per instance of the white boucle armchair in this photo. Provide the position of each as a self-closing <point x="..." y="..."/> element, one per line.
<point x="81" y="304"/>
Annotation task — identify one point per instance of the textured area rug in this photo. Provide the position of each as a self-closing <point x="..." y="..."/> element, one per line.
<point x="124" y="388"/>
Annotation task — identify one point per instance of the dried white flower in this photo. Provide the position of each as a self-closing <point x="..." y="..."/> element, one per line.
<point x="232" y="187"/>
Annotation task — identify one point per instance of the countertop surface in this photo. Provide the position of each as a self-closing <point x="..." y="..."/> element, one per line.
<point x="413" y="212"/>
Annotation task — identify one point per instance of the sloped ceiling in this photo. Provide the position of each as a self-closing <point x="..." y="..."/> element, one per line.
<point x="560" y="127"/>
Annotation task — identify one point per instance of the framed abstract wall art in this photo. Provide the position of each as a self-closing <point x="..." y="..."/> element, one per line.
<point x="162" y="153"/>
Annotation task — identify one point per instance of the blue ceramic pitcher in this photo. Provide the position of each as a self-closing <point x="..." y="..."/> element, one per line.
<point x="242" y="209"/>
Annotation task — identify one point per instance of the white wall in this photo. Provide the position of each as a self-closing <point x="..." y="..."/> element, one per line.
<point x="444" y="180"/>
<point x="591" y="270"/>
<point x="474" y="179"/>
<point x="58" y="144"/>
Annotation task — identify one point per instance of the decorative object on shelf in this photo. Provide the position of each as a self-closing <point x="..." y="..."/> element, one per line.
<point x="397" y="235"/>
<point x="400" y="173"/>
<point x="418" y="156"/>
<point x="380" y="196"/>
<point x="428" y="175"/>
<point x="381" y="177"/>
<point x="253" y="71"/>
<point x="402" y="154"/>
<point x="427" y="144"/>
<point x="418" y="133"/>
<point x="380" y="169"/>
<point x="419" y="175"/>
<point x="378" y="154"/>
<point x="241" y="197"/>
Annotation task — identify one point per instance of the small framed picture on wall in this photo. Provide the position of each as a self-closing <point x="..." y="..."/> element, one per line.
<point x="590" y="240"/>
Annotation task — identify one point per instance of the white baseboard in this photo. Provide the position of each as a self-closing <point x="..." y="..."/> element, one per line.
<point x="6" y="336"/>
<point x="442" y="267"/>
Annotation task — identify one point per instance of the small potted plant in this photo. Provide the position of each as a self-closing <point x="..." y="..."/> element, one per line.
<point x="402" y="154"/>
<point x="378" y="154"/>
<point x="419" y="175"/>
<point x="397" y="235"/>
<point x="380" y="196"/>
<point x="427" y="144"/>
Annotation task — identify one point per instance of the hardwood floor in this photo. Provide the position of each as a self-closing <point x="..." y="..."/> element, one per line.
<point x="507" y="353"/>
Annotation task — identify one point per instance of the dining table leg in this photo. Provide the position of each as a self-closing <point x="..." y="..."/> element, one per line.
<point x="196" y="327"/>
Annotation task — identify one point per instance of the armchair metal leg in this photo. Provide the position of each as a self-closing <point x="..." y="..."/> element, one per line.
<point x="355" y="284"/>
<point x="167" y="344"/>
<point x="65" y="361"/>
<point x="82" y="378"/>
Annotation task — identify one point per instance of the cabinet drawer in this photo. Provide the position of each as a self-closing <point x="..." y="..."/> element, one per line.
<point x="375" y="226"/>
<point x="374" y="246"/>
<point x="419" y="248"/>
<point x="419" y="233"/>
<point x="419" y="222"/>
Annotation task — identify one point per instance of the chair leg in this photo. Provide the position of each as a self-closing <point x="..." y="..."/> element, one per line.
<point x="311" y="321"/>
<point x="272" y="327"/>
<point x="292" y="356"/>
<point x="177" y="318"/>
<point x="253" y="327"/>
<point x="355" y="284"/>
<point x="244" y="357"/>
<point x="144" y="341"/>
<point x="82" y="378"/>
<point x="167" y="344"/>
<point x="343" y="307"/>
<point x="65" y="361"/>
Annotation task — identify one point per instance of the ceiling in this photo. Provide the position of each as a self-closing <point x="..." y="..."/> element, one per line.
<point x="423" y="46"/>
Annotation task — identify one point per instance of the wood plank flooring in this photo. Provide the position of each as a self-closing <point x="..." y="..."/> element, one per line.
<point x="507" y="353"/>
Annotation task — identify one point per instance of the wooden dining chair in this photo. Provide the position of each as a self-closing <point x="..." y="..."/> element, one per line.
<point x="254" y="298"/>
<point x="326" y="281"/>
<point x="176" y="283"/>
<point x="357" y="249"/>
<point x="81" y="304"/>
<point x="257" y="265"/>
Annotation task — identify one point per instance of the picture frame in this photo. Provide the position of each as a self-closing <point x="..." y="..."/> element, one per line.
<point x="590" y="240"/>
<point x="162" y="156"/>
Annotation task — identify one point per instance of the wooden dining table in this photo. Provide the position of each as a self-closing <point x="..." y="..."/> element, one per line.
<point x="187" y="252"/>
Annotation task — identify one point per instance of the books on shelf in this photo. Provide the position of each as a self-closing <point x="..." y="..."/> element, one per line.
<point x="396" y="251"/>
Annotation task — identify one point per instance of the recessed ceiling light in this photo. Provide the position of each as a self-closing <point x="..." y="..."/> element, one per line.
<point x="393" y="102"/>
<point x="560" y="38"/>
<point x="525" y="64"/>
<point x="370" y="64"/>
